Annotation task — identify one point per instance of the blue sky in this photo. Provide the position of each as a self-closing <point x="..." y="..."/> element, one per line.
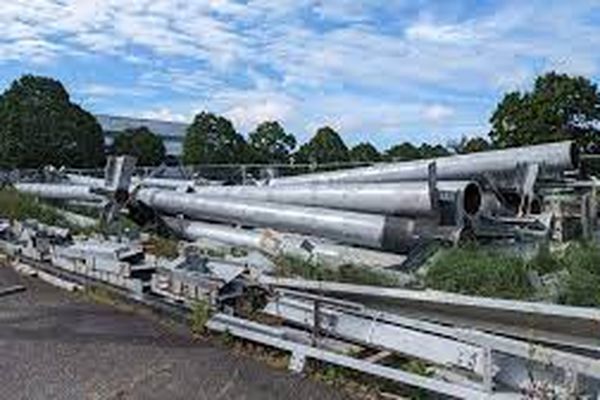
<point x="385" y="71"/>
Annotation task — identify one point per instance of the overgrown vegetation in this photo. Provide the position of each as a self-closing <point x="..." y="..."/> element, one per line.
<point x="295" y="267"/>
<point x="476" y="271"/>
<point x="199" y="316"/>
<point x="582" y="287"/>
<point x="19" y="206"/>
<point x="162" y="247"/>
<point x="484" y="272"/>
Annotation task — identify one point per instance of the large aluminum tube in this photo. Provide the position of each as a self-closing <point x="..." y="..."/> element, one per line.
<point x="276" y="243"/>
<point x="408" y="198"/>
<point x="55" y="191"/>
<point x="369" y="230"/>
<point x="175" y="184"/>
<point x="86" y="180"/>
<point x="551" y="157"/>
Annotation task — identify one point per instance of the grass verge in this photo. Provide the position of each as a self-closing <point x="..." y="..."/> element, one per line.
<point x="480" y="271"/>
<point x="296" y="267"/>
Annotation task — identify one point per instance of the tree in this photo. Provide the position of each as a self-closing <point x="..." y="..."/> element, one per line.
<point x="429" y="151"/>
<point x="325" y="147"/>
<point x="559" y="107"/>
<point x="270" y="144"/>
<point x="39" y="126"/>
<point x="364" y="152"/>
<point x="213" y="139"/>
<point x="471" y="145"/>
<point x="141" y="143"/>
<point x="402" y="152"/>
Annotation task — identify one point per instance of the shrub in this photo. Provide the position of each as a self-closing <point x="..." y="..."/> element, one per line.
<point x="475" y="271"/>
<point x="582" y="287"/>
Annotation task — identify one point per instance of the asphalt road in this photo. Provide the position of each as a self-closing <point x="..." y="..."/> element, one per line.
<point x="55" y="345"/>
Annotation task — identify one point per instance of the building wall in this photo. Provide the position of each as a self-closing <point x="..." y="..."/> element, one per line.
<point x="172" y="133"/>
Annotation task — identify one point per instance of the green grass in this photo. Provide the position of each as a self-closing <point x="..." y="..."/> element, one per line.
<point x="483" y="272"/>
<point x="162" y="247"/>
<point x="19" y="206"/>
<point x="582" y="287"/>
<point x="476" y="271"/>
<point x="294" y="267"/>
<point x="199" y="317"/>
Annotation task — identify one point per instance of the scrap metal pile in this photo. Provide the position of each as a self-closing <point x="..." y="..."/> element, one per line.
<point x="381" y="217"/>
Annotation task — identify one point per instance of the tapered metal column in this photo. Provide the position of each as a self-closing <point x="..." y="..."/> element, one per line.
<point x="276" y="243"/>
<point x="370" y="230"/>
<point x="58" y="191"/>
<point x="174" y="184"/>
<point x="407" y="198"/>
<point x="550" y="157"/>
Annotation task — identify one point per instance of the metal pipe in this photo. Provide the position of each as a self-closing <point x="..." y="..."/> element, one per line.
<point x="181" y="184"/>
<point x="551" y="157"/>
<point x="369" y="230"/>
<point x="408" y="198"/>
<point x="59" y="191"/>
<point x="86" y="180"/>
<point x="276" y="243"/>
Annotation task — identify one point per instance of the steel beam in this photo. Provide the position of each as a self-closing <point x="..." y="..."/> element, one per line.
<point x="369" y="330"/>
<point x="549" y="323"/>
<point x="275" y="337"/>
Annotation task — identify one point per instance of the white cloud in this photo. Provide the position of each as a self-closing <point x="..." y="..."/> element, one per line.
<point x="164" y="114"/>
<point x="439" y="33"/>
<point x="437" y="113"/>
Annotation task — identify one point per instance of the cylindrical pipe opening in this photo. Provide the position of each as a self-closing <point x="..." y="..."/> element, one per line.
<point x="575" y="151"/>
<point x="472" y="199"/>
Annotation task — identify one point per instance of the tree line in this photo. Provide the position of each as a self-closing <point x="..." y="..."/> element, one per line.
<point x="40" y="125"/>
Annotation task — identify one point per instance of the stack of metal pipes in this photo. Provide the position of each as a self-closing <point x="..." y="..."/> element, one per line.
<point x="385" y="208"/>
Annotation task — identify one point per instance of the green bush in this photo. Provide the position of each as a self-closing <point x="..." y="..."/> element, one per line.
<point x="295" y="267"/>
<point x="481" y="272"/>
<point x="19" y="206"/>
<point x="199" y="317"/>
<point x="162" y="247"/>
<point x="582" y="287"/>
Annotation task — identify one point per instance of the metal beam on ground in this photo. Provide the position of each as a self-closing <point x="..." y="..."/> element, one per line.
<point x="551" y="157"/>
<point x="408" y="199"/>
<point x="369" y="230"/>
<point x="277" y="243"/>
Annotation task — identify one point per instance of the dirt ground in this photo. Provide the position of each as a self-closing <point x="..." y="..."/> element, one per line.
<point x="57" y="345"/>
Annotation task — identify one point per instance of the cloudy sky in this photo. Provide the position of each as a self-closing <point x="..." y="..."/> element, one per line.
<point x="379" y="70"/>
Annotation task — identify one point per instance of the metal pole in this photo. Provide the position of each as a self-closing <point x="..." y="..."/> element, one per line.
<point x="59" y="191"/>
<point x="551" y="157"/>
<point x="369" y="230"/>
<point x="407" y="198"/>
<point x="276" y="243"/>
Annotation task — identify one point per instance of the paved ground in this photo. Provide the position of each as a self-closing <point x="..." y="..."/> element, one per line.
<point x="54" y="345"/>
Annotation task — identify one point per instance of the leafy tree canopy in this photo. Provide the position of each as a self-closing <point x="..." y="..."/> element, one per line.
<point x="559" y="107"/>
<point x="364" y="152"/>
<point x="325" y="147"/>
<point x="39" y="126"/>
<point x="141" y="143"/>
<point x="270" y="144"/>
<point x="429" y="151"/>
<point x="213" y="139"/>
<point x="471" y="145"/>
<point x="402" y="152"/>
